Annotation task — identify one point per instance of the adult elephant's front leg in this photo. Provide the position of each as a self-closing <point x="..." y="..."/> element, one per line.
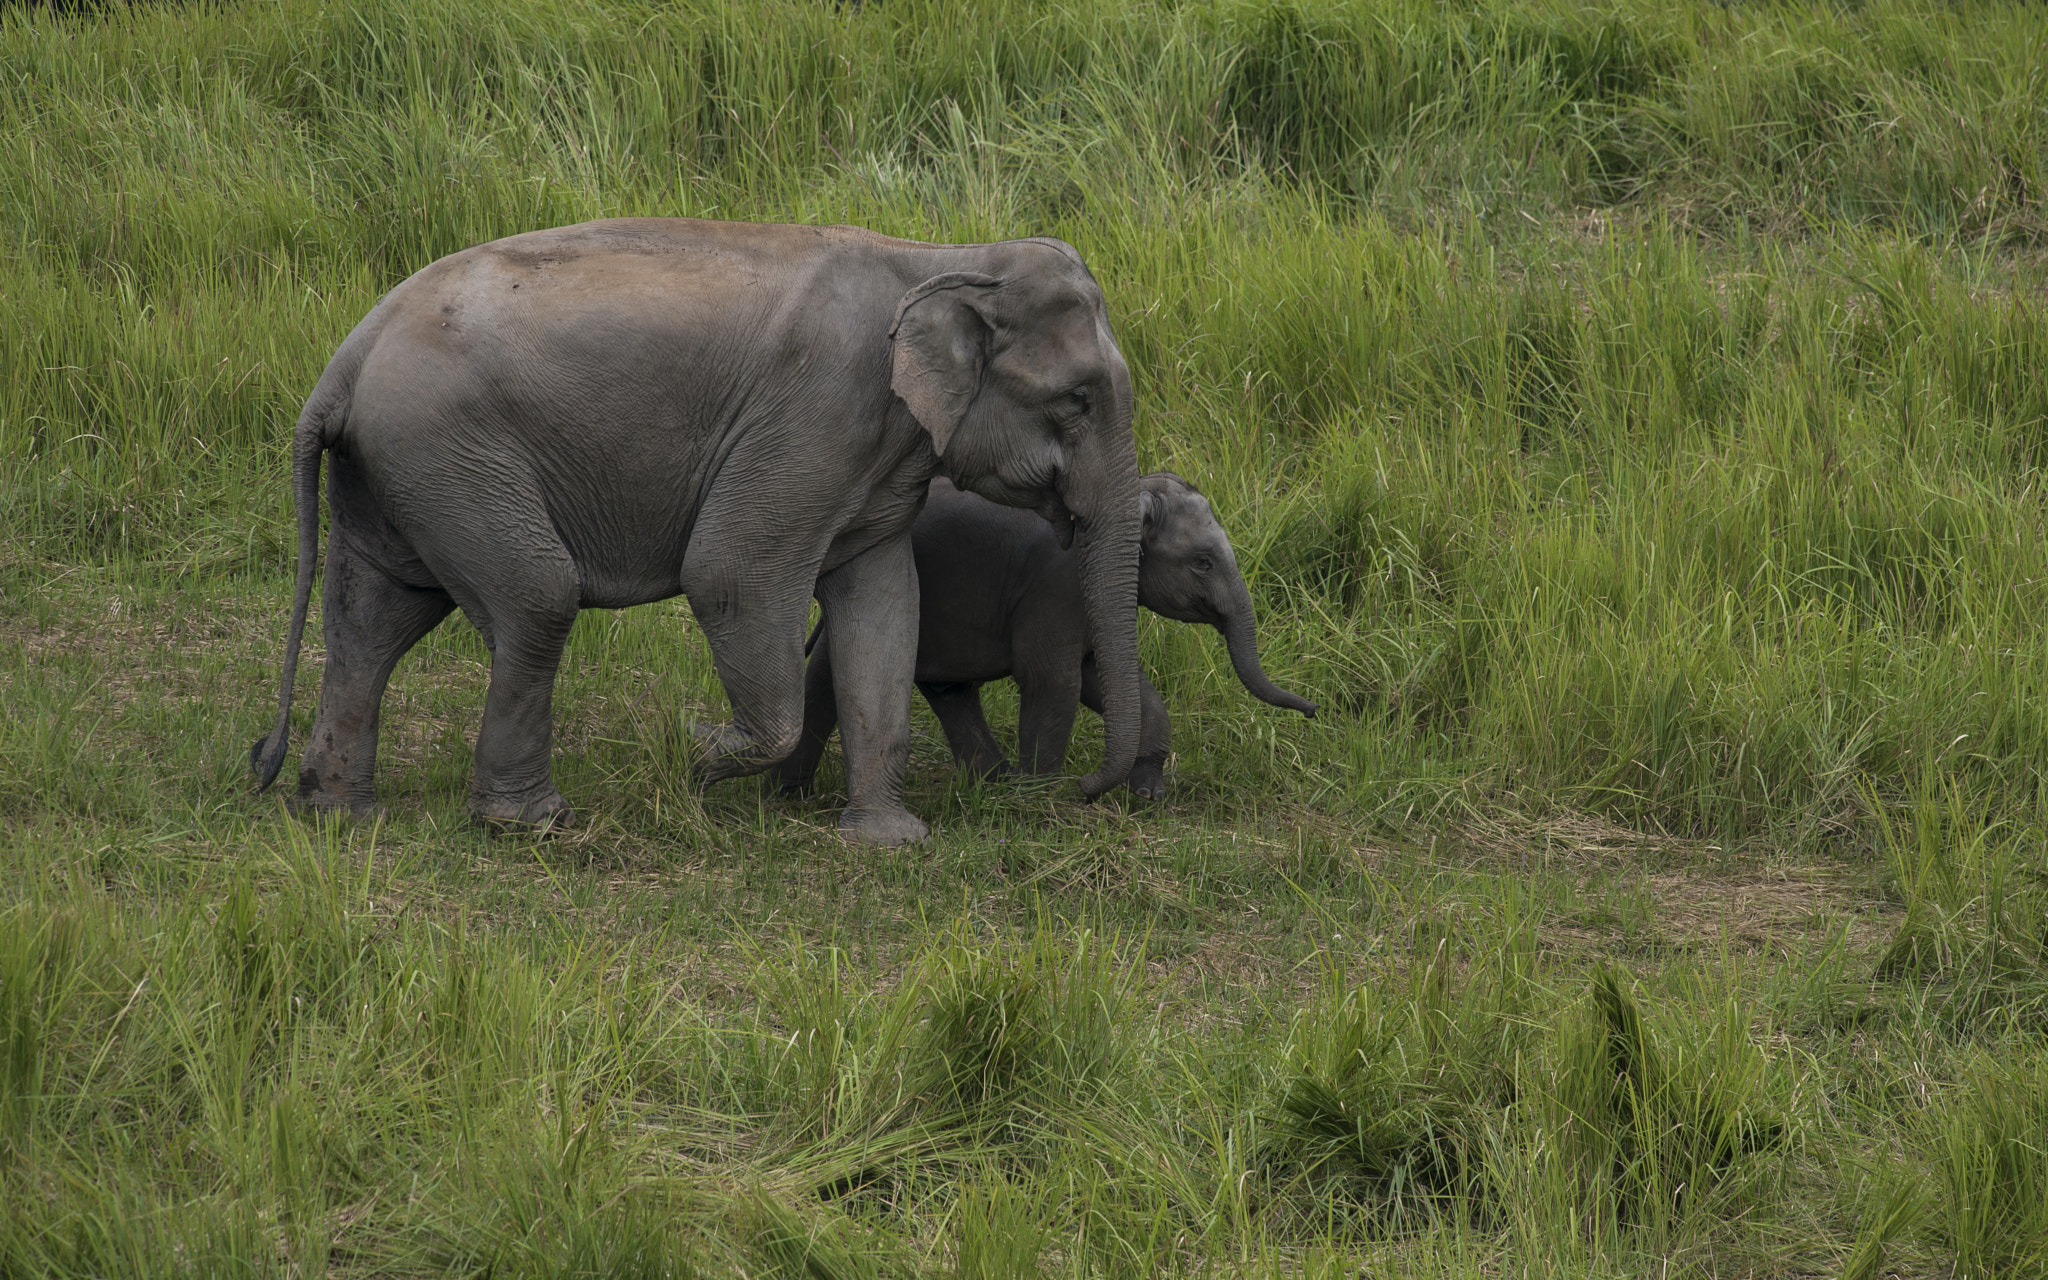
<point x="754" y="623"/>
<point x="870" y="606"/>
<point x="799" y="769"/>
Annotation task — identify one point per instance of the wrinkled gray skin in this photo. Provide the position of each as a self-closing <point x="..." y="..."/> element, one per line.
<point x="1001" y="598"/>
<point x="608" y="414"/>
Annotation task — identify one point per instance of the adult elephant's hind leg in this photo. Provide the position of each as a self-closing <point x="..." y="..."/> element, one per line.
<point x="370" y="620"/>
<point x="870" y="605"/>
<point x="514" y="783"/>
<point x="520" y="590"/>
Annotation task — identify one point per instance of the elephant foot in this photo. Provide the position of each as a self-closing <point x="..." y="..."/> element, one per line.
<point x="886" y="827"/>
<point x="506" y="815"/>
<point x="729" y="752"/>
<point x="312" y="800"/>
<point x="793" y="777"/>
<point x="314" y="807"/>
<point x="1148" y="780"/>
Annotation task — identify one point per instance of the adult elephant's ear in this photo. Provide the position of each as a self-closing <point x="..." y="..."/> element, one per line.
<point x="941" y="343"/>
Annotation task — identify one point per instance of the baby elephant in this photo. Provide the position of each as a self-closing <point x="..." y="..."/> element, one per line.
<point x="1000" y="598"/>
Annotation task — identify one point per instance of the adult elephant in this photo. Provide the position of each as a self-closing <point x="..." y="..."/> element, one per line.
<point x="613" y="413"/>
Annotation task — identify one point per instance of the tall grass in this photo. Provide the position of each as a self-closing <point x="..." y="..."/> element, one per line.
<point x="1992" y="1170"/>
<point x="269" y="1072"/>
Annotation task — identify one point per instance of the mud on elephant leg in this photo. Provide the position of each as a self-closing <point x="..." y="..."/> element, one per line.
<point x="870" y="606"/>
<point x="370" y="622"/>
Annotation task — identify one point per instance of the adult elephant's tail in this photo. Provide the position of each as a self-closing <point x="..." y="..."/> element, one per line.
<point x="318" y="424"/>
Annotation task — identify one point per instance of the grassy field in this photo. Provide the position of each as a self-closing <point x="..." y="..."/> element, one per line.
<point x="1633" y="417"/>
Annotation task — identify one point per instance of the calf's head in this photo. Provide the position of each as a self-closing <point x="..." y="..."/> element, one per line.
<point x="1188" y="573"/>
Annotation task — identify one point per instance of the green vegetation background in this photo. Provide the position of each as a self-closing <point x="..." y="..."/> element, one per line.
<point x="1632" y="419"/>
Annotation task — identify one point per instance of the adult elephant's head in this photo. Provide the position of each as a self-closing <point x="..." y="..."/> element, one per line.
<point x="1016" y="375"/>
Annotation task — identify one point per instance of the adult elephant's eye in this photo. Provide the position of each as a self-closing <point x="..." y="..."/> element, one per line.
<point x="1079" y="397"/>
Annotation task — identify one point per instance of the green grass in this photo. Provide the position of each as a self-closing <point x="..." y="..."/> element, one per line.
<point x="1632" y="418"/>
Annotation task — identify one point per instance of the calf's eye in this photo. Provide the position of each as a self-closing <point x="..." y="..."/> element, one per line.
<point x="1203" y="564"/>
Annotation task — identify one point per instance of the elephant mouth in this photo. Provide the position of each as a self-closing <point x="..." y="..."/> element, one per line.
<point x="1062" y="520"/>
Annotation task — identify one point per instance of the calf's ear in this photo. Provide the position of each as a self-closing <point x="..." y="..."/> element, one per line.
<point x="940" y="339"/>
<point x="1149" y="511"/>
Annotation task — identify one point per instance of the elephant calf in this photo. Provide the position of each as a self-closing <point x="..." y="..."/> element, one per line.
<point x="1000" y="597"/>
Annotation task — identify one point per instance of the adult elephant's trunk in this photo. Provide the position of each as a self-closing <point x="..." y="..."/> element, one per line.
<point x="1241" y="636"/>
<point x="1101" y="490"/>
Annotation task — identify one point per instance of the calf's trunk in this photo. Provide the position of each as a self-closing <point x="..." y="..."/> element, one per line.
<point x="1241" y="637"/>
